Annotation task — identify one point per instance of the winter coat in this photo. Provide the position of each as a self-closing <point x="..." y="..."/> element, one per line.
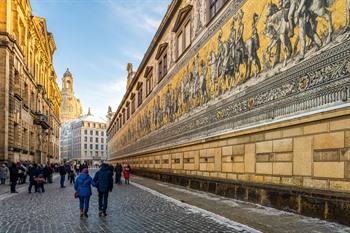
<point x="33" y="173"/>
<point x="118" y="170"/>
<point x="104" y="179"/>
<point x="4" y="172"/>
<point x="83" y="185"/>
<point x="13" y="173"/>
<point x="62" y="170"/>
<point x="126" y="173"/>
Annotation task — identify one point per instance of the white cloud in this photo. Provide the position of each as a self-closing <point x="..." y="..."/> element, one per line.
<point x="138" y="14"/>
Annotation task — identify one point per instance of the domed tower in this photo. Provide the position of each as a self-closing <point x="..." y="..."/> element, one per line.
<point x="67" y="82"/>
<point x="70" y="107"/>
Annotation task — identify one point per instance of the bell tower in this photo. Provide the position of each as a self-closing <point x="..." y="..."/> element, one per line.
<point x="67" y="82"/>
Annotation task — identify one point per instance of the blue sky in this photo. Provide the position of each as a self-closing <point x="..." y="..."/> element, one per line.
<point x="96" y="39"/>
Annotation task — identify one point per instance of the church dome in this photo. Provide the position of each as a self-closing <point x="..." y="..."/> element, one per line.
<point x="67" y="73"/>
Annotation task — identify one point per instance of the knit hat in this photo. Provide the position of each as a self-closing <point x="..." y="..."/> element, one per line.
<point x="85" y="170"/>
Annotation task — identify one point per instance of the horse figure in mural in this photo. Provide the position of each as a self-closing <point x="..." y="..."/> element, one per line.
<point x="277" y="29"/>
<point x="252" y="46"/>
<point x="203" y="83"/>
<point x="306" y="14"/>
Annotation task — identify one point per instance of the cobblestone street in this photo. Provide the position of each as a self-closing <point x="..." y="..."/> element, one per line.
<point x="131" y="209"/>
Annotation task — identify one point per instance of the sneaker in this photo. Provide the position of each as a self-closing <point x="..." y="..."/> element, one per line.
<point x="86" y="215"/>
<point x="100" y="213"/>
<point x="104" y="214"/>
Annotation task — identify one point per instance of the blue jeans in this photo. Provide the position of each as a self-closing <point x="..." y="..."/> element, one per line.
<point x="102" y="201"/>
<point x="63" y="178"/>
<point x="84" y="203"/>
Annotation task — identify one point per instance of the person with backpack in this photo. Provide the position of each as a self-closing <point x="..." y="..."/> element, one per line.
<point x="104" y="183"/>
<point x="82" y="187"/>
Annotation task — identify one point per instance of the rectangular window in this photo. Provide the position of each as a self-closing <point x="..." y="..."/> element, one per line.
<point x="85" y="139"/>
<point x="160" y="70"/>
<point x="187" y="34"/>
<point x="128" y="111"/>
<point x="133" y="105"/>
<point x="91" y="147"/>
<point x="215" y="6"/>
<point x="102" y="133"/>
<point x="179" y="44"/>
<point x="91" y="139"/>
<point x="149" y="84"/>
<point x="165" y="64"/>
<point x="102" y="140"/>
<point x="96" y="140"/>
<point x="102" y="147"/>
<point x="139" y="95"/>
<point x="85" y="146"/>
<point x="91" y="132"/>
<point x="97" y="133"/>
<point x="96" y="146"/>
<point x="85" y="131"/>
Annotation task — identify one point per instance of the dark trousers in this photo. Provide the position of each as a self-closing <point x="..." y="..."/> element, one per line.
<point x="40" y="188"/>
<point x="2" y="180"/>
<point x="63" y="178"/>
<point x="102" y="201"/>
<point x="84" y="203"/>
<point x="118" y="179"/>
<point x="31" y="184"/>
<point x="13" y="186"/>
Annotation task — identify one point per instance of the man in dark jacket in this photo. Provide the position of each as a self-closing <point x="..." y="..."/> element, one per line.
<point x="118" y="173"/>
<point x="63" y="173"/>
<point x="33" y="173"/>
<point x="104" y="183"/>
<point x="13" y="177"/>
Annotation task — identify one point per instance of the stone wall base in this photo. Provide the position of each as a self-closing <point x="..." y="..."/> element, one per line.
<point x="327" y="205"/>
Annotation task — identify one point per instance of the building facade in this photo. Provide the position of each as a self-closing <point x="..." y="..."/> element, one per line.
<point x="84" y="140"/>
<point x="29" y="95"/>
<point x="70" y="107"/>
<point x="245" y="98"/>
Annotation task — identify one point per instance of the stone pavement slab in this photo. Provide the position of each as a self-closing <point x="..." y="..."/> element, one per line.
<point x="132" y="208"/>
<point x="259" y="217"/>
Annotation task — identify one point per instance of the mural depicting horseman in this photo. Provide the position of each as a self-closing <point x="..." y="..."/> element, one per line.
<point x="195" y="78"/>
<point x="277" y="29"/>
<point x="168" y="105"/>
<point x="203" y="83"/>
<point x="240" y="49"/>
<point x="231" y="44"/>
<point x="306" y="17"/>
<point x="220" y="56"/>
<point x="212" y="62"/>
<point x="253" y="44"/>
<point x="185" y="90"/>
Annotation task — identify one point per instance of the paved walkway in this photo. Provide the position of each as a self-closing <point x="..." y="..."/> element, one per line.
<point x="259" y="217"/>
<point x="131" y="209"/>
<point x="147" y="206"/>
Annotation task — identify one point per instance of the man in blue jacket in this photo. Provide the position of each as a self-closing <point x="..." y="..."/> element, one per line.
<point x="104" y="183"/>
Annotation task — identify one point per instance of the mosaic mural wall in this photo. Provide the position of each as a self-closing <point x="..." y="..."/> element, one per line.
<point x="254" y="43"/>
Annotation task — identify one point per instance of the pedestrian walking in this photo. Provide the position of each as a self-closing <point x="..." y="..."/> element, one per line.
<point x="126" y="174"/>
<point x="13" y="177"/>
<point x="118" y="173"/>
<point x="33" y="174"/>
<point x="71" y="177"/>
<point x="4" y="173"/>
<point x="63" y="173"/>
<point x="104" y="183"/>
<point x="82" y="187"/>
